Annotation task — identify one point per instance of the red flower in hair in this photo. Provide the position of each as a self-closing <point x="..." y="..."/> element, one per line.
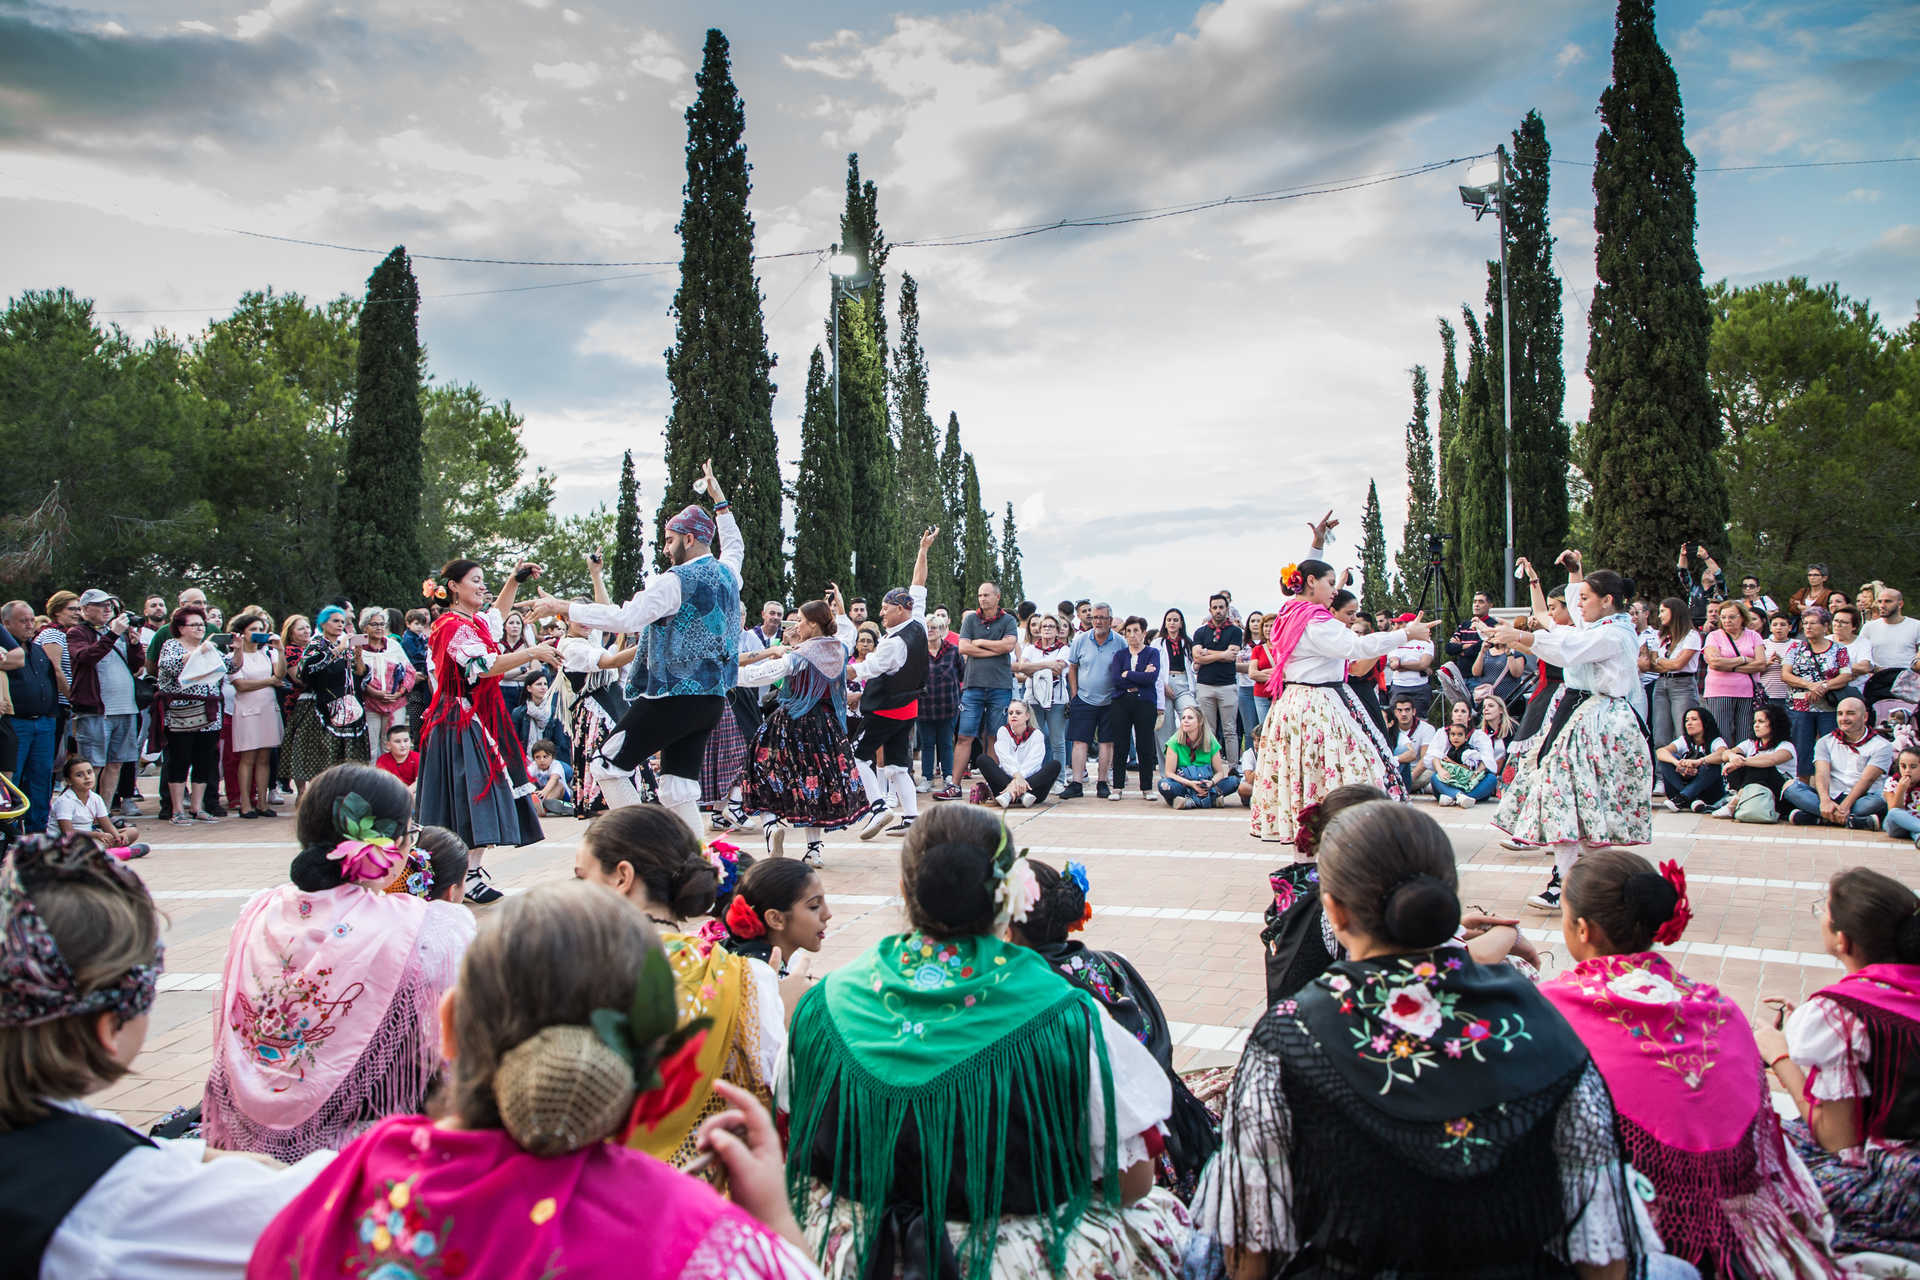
<point x="1669" y="933"/>
<point x="743" y="921"/>
<point x="1303" y="839"/>
<point x="678" y="1075"/>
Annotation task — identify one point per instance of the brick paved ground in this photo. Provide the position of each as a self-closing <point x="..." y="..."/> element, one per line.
<point x="1180" y="894"/>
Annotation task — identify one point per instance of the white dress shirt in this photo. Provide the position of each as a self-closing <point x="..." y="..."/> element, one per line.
<point x="1602" y="658"/>
<point x="891" y="653"/>
<point x="1328" y="645"/>
<point x="661" y="598"/>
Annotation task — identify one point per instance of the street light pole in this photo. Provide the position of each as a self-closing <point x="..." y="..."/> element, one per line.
<point x="1506" y="368"/>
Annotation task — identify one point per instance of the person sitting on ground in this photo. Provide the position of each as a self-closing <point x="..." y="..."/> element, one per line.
<point x="1847" y="766"/>
<point x="564" y="1035"/>
<point x="552" y="778"/>
<point x="1686" y="1078"/>
<point x="1412" y="1109"/>
<point x="1021" y="769"/>
<point x="1766" y="759"/>
<point x="1903" y="797"/>
<point x="1462" y="772"/>
<point x="900" y="1161"/>
<point x="1196" y="773"/>
<point x="86" y="1196"/>
<point x="1496" y="730"/>
<point x="778" y="909"/>
<point x="648" y="856"/>
<point x="80" y="810"/>
<point x="324" y="1010"/>
<point x="1690" y="765"/>
<point x="1410" y="739"/>
<point x="399" y="758"/>
<point x="1850" y="1060"/>
<point x="1192" y="1135"/>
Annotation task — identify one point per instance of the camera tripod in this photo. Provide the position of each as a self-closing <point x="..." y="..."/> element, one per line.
<point x="1435" y="580"/>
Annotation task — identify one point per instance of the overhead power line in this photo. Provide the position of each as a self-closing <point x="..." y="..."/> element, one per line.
<point x="1753" y="168"/>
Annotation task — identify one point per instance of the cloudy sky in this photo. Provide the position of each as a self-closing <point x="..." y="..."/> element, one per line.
<point x="1165" y="404"/>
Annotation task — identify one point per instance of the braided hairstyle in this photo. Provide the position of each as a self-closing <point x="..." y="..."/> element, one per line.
<point x="947" y="871"/>
<point x="1313" y="820"/>
<point x="315" y="828"/>
<point x="1619" y="893"/>
<point x="666" y="858"/>
<point x="1391" y="866"/>
<point x="447" y="853"/>
<point x="1062" y="905"/>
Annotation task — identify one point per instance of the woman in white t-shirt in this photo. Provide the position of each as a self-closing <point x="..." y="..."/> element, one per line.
<point x="79" y="810"/>
<point x="1020" y="770"/>
<point x="1677" y="660"/>
<point x="1767" y="759"/>
<point x="1690" y="764"/>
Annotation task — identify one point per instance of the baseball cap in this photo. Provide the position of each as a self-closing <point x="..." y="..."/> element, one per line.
<point x="94" y="595"/>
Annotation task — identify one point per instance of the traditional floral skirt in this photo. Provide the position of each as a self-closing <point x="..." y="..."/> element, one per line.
<point x="1873" y="1193"/>
<point x="1147" y="1238"/>
<point x="1316" y="738"/>
<point x="311" y="747"/>
<point x="1595" y="785"/>
<point x="586" y="729"/>
<point x="801" y="769"/>
<point x="726" y="756"/>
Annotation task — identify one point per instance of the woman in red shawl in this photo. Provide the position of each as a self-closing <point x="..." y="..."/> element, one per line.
<point x="473" y="771"/>
<point x="1730" y="1196"/>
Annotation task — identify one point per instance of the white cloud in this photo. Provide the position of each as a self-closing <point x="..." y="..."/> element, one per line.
<point x="653" y="55"/>
<point x="568" y="75"/>
<point x="1570" y="54"/>
<point x="1864" y="195"/>
<point x="256" y="23"/>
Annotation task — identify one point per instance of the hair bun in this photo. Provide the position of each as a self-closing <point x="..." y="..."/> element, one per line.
<point x="1420" y="911"/>
<point x="563" y="1090"/>
<point x="1650" y="898"/>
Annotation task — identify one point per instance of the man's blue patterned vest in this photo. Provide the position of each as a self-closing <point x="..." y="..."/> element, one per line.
<point x="696" y="650"/>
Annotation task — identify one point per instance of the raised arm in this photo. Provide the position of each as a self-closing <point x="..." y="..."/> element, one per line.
<point x="733" y="553"/>
<point x="920" y="560"/>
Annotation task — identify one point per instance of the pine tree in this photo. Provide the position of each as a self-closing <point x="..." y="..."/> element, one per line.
<point x="718" y="368"/>
<point x="946" y="563"/>
<point x="1452" y="475"/>
<point x="870" y="455"/>
<point x="1373" y="555"/>
<point x="1423" y="499"/>
<point x="628" y="569"/>
<point x="1540" y="443"/>
<point x="1012" y="580"/>
<point x="920" y="500"/>
<point x="822" y="496"/>
<point x="376" y="535"/>
<point x="976" y="557"/>
<point x="1653" y="428"/>
<point x="1477" y="446"/>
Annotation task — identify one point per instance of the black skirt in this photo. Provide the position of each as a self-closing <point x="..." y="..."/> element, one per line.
<point x="801" y="769"/>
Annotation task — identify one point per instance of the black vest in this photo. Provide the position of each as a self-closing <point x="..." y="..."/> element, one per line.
<point x="45" y="1170"/>
<point x="884" y="693"/>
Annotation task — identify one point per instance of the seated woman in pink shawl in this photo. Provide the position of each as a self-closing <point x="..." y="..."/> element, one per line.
<point x="1730" y="1196"/>
<point x="563" y="1037"/>
<point x="1850" y="1058"/>
<point x="326" y="1010"/>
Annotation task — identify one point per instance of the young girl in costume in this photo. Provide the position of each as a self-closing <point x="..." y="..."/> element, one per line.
<point x="778" y="908"/>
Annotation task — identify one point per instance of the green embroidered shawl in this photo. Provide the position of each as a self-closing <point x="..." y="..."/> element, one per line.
<point x="941" y="1035"/>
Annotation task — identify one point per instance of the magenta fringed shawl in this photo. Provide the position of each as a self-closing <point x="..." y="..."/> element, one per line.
<point x="1283" y="637"/>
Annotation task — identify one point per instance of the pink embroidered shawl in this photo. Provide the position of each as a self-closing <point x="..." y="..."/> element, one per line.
<point x="326" y="1016"/>
<point x="1886" y="997"/>
<point x="412" y="1199"/>
<point x="1283" y="637"/>
<point x="1687" y="1081"/>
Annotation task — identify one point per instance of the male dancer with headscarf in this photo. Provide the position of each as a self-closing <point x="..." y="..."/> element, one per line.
<point x="689" y="622"/>
<point x="894" y="675"/>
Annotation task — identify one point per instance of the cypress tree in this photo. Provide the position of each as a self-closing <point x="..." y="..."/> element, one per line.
<point x="1373" y="555"/>
<point x="1540" y="443"/>
<point x="718" y="368"/>
<point x="628" y="568"/>
<point x="1012" y="580"/>
<point x="1423" y="499"/>
<point x="976" y="556"/>
<point x="1452" y="464"/>
<point x="860" y="235"/>
<point x="870" y="455"/>
<point x="822" y="496"/>
<point x="920" y="501"/>
<point x="1653" y="428"/>
<point x="376" y="538"/>
<point x="1477" y="447"/>
<point x="945" y="561"/>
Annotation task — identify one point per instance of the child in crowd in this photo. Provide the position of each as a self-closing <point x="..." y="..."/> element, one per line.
<point x="86" y="1195"/>
<point x="552" y="779"/>
<point x="1461" y="774"/>
<point x="447" y="855"/>
<point x="80" y="811"/>
<point x="400" y="759"/>
<point x="1903" y="797"/>
<point x="779" y="908"/>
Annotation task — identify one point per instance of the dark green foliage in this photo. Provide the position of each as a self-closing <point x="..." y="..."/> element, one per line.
<point x="477" y="503"/>
<point x="1375" y="588"/>
<point x="718" y="367"/>
<point x="1423" y="500"/>
<point x="1453" y="469"/>
<point x="1653" y="429"/>
<point x="1012" y="581"/>
<point x="376" y="538"/>
<point x="627" y="566"/>
<point x="870" y="456"/>
<point x="860" y="235"/>
<point x="977" y="563"/>
<point x="921" y="502"/>
<point x="1539" y="378"/>
<point x="822" y="496"/>
<point x="1477" y="446"/>
<point x="1821" y="408"/>
<point x="947" y="550"/>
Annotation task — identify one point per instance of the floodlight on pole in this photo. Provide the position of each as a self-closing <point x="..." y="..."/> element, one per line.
<point x="1485" y="198"/>
<point x="848" y="276"/>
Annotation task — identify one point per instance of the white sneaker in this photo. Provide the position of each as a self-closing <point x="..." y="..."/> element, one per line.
<point x="1004" y="799"/>
<point x="1447" y="801"/>
<point x="1029" y="799"/>
<point x="924" y="786"/>
<point x="1514" y="846"/>
<point x="1672" y="806"/>
<point x="1465" y="802"/>
<point x="1148" y="796"/>
<point x="1724" y="811"/>
<point x="775" y="833"/>
<point x="879" y="818"/>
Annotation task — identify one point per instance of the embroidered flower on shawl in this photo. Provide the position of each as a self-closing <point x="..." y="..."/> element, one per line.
<point x="399" y="1241"/>
<point x="678" y="1074"/>
<point x="1414" y="1010"/>
<point x="1644" y="986"/>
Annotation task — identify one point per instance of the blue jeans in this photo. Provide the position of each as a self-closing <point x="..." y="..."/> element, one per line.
<point x="1799" y="795"/>
<point x="33" y="767"/>
<point x="1808" y="727"/>
<point x="936" y="747"/>
<point x="1206" y="799"/>
<point x="1481" y="790"/>
<point x="1706" y="784"/>
<point x="1249" y="714"/>
<point x="1053" y="722"/>
<point x="1904" y="823"/>
<point x="982" y="712"/>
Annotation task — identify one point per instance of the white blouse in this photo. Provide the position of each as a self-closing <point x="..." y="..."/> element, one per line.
<point x="1821" y="1035"/>
<point x="1601" y="658"/>
<point x="1022" y="759"/>
<point x="1328" y="645"/>
<point x="581" y="654"/>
